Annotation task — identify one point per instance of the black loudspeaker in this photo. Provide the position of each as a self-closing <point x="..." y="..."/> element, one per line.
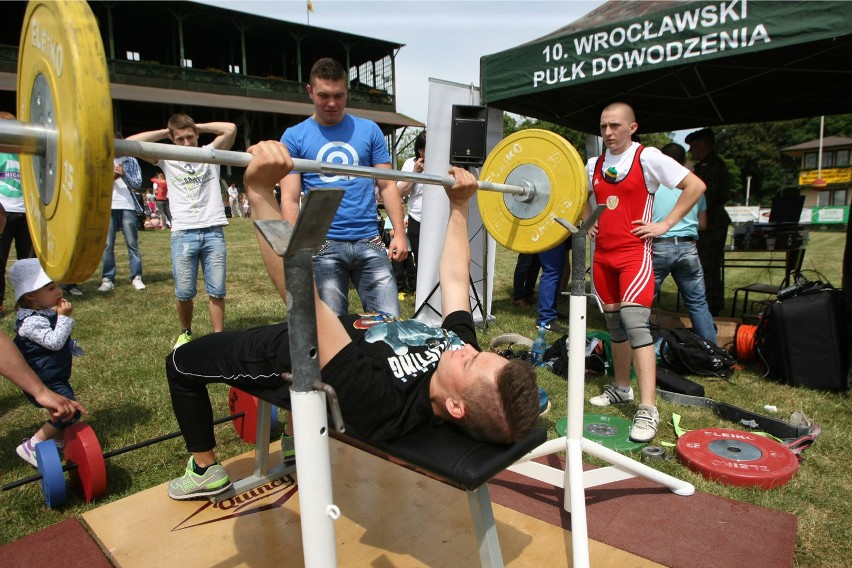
<point x="468" y="135"/>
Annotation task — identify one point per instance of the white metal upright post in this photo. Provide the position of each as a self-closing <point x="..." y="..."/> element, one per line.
<point x="573" y="479"/>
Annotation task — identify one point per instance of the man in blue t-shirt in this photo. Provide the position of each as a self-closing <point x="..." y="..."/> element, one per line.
<point x="353" y="249"/>
<point x="676" y="253"/>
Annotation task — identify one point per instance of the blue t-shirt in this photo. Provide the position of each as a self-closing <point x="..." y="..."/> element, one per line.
<point x="353" y="141"/>
<point x="664" y="202"/>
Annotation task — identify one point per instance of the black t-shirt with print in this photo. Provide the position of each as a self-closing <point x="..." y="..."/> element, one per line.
<point x="382" y="377"/>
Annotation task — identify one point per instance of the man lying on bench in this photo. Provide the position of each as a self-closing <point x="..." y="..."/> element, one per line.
<point x="392" y="377"/>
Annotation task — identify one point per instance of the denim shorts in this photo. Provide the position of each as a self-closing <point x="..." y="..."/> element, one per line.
<point x="192" y="247"/>
<point x="62" y="387"/>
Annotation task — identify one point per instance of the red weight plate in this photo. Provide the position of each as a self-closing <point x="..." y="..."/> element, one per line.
<point x="246" y="426"/>
<point x="82" y="448"/>
<point x="734" y="457"/>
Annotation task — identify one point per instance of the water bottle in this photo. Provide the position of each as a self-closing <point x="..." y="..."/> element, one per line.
<point x="539" y="346"/>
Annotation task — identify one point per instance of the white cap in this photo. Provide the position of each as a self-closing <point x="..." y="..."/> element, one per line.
<point x="27" y="276"/>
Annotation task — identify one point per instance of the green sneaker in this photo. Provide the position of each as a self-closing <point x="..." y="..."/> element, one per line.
<point x="212" y="482"/>
<point x="182" y="339"/>
<point x="288" y="448"/>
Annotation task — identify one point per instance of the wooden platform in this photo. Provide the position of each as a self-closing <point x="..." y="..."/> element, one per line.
<point x="390" y="517"/>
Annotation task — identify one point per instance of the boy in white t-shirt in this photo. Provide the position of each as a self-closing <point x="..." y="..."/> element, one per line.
<point x="198" y="216"/>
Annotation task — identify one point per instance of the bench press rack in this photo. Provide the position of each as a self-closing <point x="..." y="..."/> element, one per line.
<point x="442" y="452"/>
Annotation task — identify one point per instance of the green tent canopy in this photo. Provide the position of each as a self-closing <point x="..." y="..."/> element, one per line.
<point x="682" y="64"/>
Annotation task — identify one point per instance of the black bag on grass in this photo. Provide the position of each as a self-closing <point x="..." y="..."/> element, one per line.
<point x="682" y="350"/>
<point x="556" y="356"/>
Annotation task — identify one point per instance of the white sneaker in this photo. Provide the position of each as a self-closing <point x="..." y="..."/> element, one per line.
<point x="73" y="289"/>
<point x="612" y="395"/>
<point x="137" y="283"/>
<point x="645" y="424"/>
<point x="106" y="285"/>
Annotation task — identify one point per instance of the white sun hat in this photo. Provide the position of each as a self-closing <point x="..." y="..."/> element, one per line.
<point x="27" y="276"/>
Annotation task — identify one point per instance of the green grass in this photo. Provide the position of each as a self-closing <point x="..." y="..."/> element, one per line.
<point x="127" y="334"/>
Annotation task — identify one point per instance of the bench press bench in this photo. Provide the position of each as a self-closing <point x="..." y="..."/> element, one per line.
<point x="442" y="452"/>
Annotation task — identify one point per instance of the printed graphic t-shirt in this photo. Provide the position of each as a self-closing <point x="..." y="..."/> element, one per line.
<point x="382" y="377"/>
<point x="11" y="195"/>
<point x="195" y="197"/>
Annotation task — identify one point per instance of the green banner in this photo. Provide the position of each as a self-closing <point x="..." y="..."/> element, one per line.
<point x="687" y="32"/>
<point x="834" y="215"/>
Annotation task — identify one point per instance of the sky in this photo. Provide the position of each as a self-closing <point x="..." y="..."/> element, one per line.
<point x="443" y="39"/>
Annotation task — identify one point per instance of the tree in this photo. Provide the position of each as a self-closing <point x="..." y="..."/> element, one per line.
<point x="756" y="151"/>
<point x="405" y="145"/>
<point x="574" y="137"/>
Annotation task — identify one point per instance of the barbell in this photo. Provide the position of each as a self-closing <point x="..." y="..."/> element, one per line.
<point x="86" y="460"/>
<point x="65" y="138"/>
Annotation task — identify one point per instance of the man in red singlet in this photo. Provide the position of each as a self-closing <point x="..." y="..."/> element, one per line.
<point x="625" y="179"/>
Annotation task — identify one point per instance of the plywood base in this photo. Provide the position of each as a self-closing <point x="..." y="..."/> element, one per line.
<point x="390" y="517"/>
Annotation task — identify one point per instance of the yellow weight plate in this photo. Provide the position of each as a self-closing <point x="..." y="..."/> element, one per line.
<point x="63" y="85"/>
<point x="554" y="168"/>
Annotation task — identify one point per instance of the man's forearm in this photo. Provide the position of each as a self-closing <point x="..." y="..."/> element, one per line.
<point x="151" y="135"/>
<point x="216" y="128"/>
<point x="395" y="210"/>
<point x="15" y="368"/>
<point x="455" y="256"/>
<point x="226" y="133"/>
<point x="393" y="203"/>
<point x="692" y="189"/>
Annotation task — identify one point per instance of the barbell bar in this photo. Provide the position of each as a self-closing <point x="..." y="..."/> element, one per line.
<point x="18" y="137"/>
<point x="65" y="138"/>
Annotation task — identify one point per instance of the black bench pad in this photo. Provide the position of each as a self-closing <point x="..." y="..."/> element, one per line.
<point x="449" y="455"/>
<point x="443" y="452"/>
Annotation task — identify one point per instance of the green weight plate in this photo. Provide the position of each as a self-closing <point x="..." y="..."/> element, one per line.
<point x="610" y="431"/>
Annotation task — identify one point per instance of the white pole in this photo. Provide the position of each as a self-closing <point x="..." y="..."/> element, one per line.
<point x="313" y="473"/>
<point x="819" y="155"/>
<point x="748" y="188"/>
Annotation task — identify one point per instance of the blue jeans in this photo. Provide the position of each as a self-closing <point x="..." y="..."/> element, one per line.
<point x="682" y="262"/>
<point x="194" y="246"/>
<point x="527" y="268"/>
<point x="123" y="219"/>
<point x="552" y="263"/>
<point x="366" y="263"/>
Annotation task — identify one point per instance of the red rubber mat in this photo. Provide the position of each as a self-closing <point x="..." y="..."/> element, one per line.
<point x="66" y="544"/>
<point x="648" y="520"/>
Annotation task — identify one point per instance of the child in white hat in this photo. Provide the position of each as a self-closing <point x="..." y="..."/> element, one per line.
<point x="43" y="327"/>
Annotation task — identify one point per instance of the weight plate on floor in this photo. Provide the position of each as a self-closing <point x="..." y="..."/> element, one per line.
<point x="734" y="457"/>
<point x="63" y="86"/>
<point x="52" y="477"/>
<point x="612" y="432"/>
<point x="650" y="453"/>
<point x="548" y="163"/>
<point x="83" y="449"/>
